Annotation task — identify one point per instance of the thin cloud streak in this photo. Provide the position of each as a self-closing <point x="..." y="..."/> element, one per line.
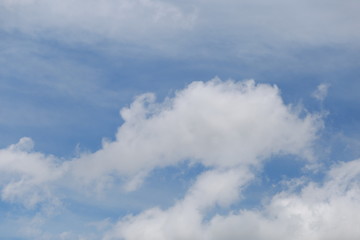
<point x="179" y="28"/>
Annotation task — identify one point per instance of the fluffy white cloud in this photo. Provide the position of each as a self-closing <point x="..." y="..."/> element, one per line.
<point x="229" y="127"/>
<point x="218" y="123"/>
<point x="26" y="175"/>
<point x="184" y="220"/>
<point x="317" y="212"/>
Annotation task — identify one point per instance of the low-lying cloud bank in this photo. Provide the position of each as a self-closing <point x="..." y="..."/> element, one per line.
<point x="229" y="127"/>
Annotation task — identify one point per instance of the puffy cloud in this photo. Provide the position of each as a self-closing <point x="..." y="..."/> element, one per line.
<point x="228" y="127"/>
<point x="316" y="212"/>
<point x="221" y="124"/>
<point x="26" y="175"/>
<point x="218" y="123"/>
<point x="184" y="220"/>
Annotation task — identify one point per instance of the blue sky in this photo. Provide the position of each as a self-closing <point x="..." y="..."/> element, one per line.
<point x="157" y="119"/>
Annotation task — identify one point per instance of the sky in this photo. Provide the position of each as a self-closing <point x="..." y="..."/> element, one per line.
<point x="179" y="120"/>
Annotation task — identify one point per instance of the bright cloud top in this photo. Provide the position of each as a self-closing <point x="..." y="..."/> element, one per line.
<point x="219" y="124"/>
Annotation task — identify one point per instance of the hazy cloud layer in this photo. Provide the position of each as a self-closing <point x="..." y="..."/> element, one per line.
<point x="90" y="21"/>
<point x="175" y="26"/>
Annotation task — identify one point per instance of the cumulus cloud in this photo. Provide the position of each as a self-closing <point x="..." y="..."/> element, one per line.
<point x="231" y="128"/>
<point x="26" y="175"/>
<point x="316" y="212"/>
<point x="219" y="124"/>
<point x="184" y="220"/>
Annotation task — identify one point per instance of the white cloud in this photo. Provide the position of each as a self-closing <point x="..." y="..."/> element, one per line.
<point x="182" y="27"/>
<point x="321" y="92"/>
<point x="26" y="175"/>
<point x="183" y="221"/>
<point x="219" y="124"/>
<point x="92" y="20"/>
<point x="317" y="212"/>
<point x="229" y="127"/>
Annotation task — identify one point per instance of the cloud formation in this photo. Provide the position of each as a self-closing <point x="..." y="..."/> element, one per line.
<point x="231" y="128"/>
<point x="58" y="54"/>
<point x="221" y="124"/>
<point x="321" y="92"/>
<point x="69" y="20"/>
<point x="26" y="175"/>
<point x="174" y="26"/>
<point x="218" y="124"/>
<point x="315" y="212"/>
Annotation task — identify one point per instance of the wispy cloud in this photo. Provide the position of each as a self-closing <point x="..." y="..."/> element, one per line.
<point x="180" y="26"/>
<point x="90" y="21"/>
<point x="321" y="92"/>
